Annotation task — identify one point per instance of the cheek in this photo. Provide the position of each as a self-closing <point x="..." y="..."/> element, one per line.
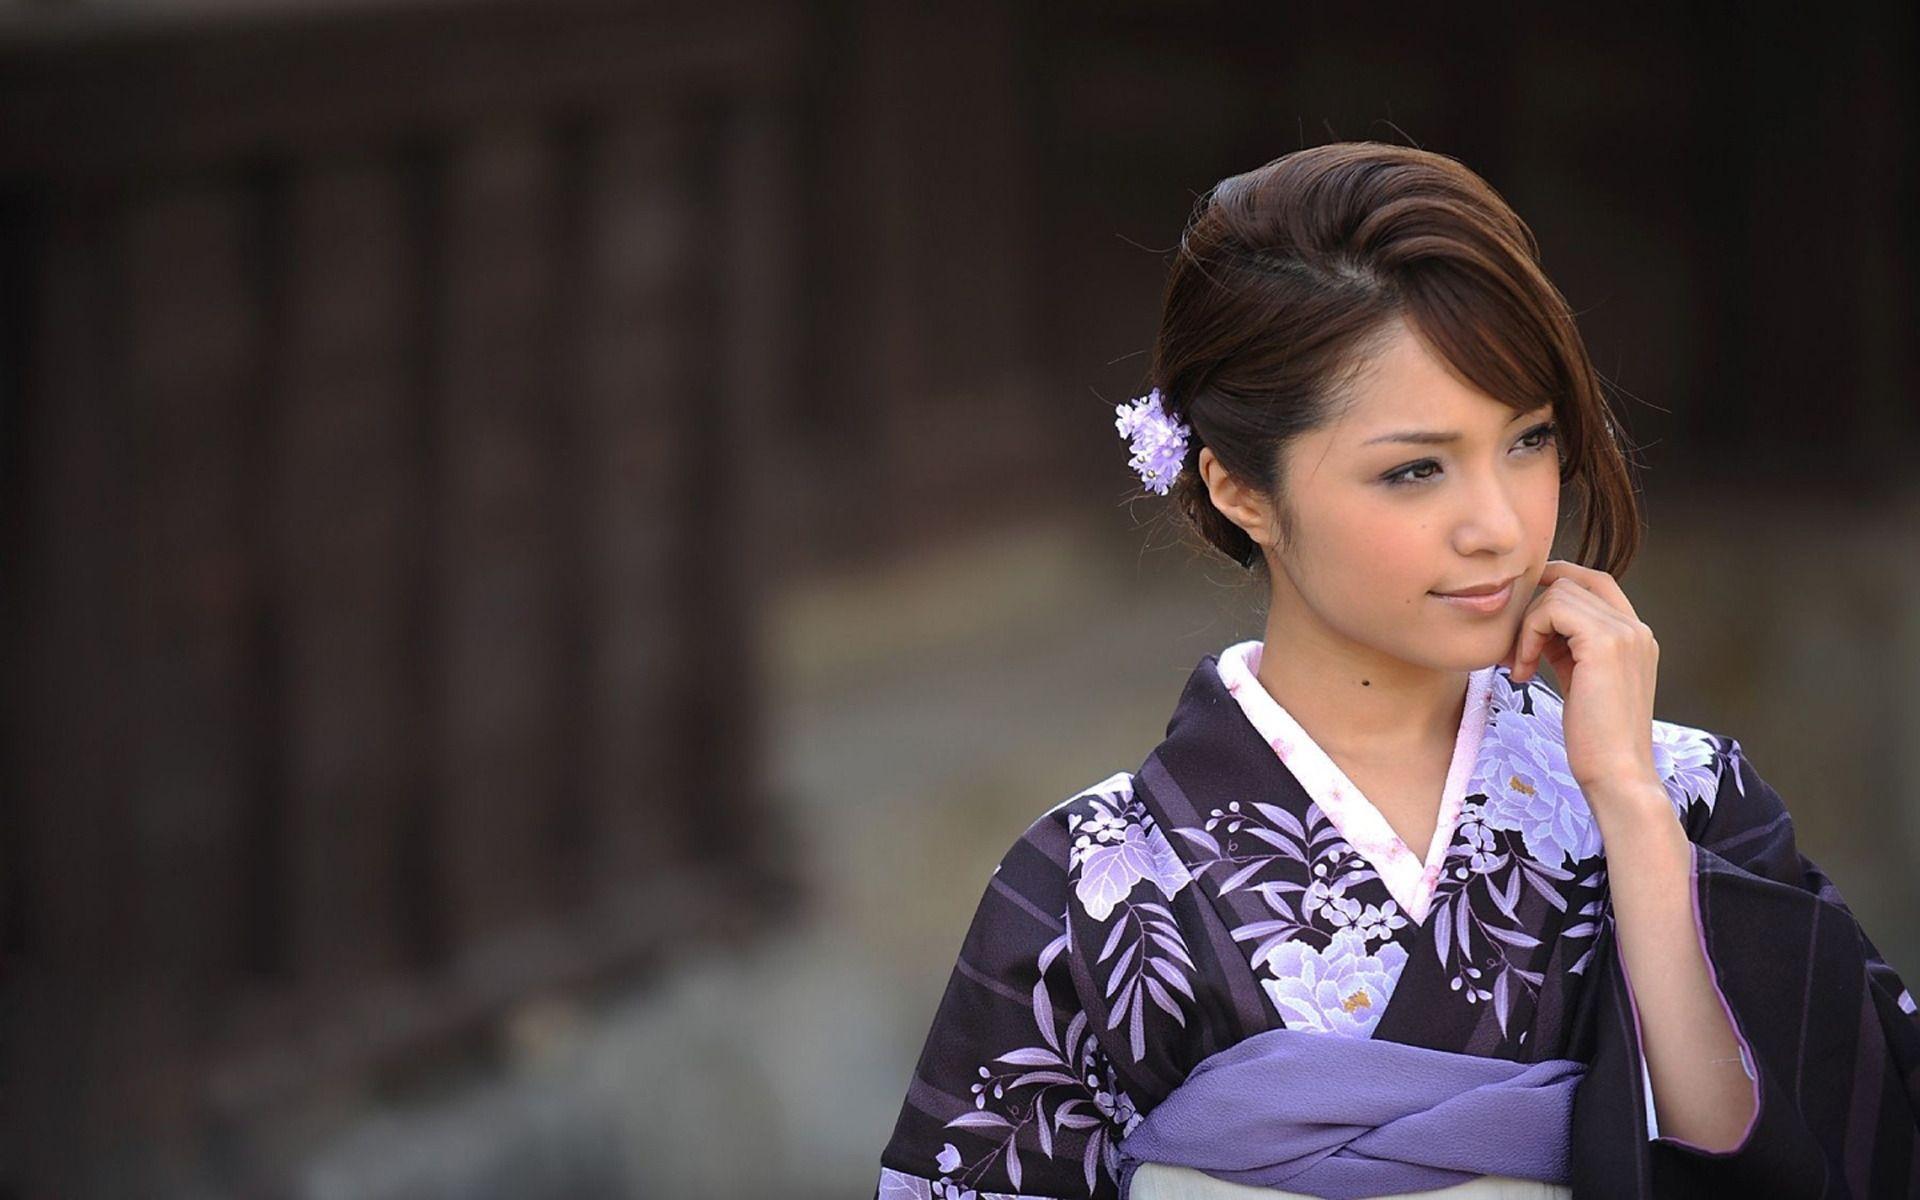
<point x="1385" y="555"/>
<point x="1541" y="509"/>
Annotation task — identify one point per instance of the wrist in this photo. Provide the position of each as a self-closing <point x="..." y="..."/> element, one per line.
<point x="1630" y="806"/>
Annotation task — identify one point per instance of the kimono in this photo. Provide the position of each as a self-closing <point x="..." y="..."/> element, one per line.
<point x="1159" y="922"/>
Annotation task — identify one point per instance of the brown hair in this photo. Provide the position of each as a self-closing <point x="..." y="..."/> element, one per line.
<point x="1287" y="280"/>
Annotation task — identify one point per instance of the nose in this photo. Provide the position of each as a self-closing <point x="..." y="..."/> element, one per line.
<point x="1488" y="522"/>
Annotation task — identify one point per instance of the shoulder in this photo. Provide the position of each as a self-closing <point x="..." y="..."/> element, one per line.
<point x="1104" y="846"/>
<point x="1052" y="834"/>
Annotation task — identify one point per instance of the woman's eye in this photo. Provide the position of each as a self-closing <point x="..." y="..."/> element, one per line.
<point x="1545" y="432"/>
<point x="1406" y="474"/>
<point x="1537" y="438"/>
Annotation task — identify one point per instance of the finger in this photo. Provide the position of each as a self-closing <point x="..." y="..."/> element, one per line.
<point x="1537" y="625"/>
<point x="1600" y="583"/>
<point x="1577" y="615"/>
<point x="1562" y="611"/>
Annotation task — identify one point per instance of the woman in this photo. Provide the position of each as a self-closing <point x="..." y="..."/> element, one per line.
<point x="1384" y="913"/>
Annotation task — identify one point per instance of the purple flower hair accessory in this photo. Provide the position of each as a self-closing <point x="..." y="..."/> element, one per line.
<point x="1159" y="443"/>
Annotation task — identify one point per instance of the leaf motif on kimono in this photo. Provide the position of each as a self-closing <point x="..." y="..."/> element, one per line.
<point x="1172" y="975"/>
<point x="1242" y="875"/>
<point x="1043" y="1012"/>
<point x="1052" y="952"/>
<point x="1119" y="1012"/>
<point x="1120" y="967"/>
<point x="1260" y="928"/>
<point x="1110" y="872"/>
<point x="980" y="1119"/>
<point x="1200" y="838"/>
<point x="1442" y="936"/>
<point x="1156" y="908"/>
<point x="1501" y="899"/>
<point x="1551" y="871"/>
<point x="1581" y="963"/>
<point x="1165" y="867"/>
<point x="1281" y="817"/>
<point x="1172" y="946"/>
<point x="1029" y="1056"/>
<point x="1093" y="1150"/>
<point x="1278" y="841"/>
<point x="1042" y="1077"/>
<point x="1113" y="939"/>
<point x="1513" y="893"/>
<point x="1266" y="948"/>
<point x="1165" y="1001"/>
<point x="1512" y="937"/>
<point x="1075" y="1028"/>
<point x="1074" y="1120"/>
<point x="1043" y="1129"/>
<point x="1013" y="1161"/>
<point x="1548" y="892"/>
<point x="1137" y="1031"/>
<point x="1583" y="929"/>
<point x="1500" y="1002"/>
<point x="1460" y="910"/>
<point x="897" y="1186"/>
<point x="1279" y="904"/>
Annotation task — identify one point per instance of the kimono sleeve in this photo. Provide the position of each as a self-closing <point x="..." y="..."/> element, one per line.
<point x="1827" y="1029"/>
<point x="1013" y="1094"/>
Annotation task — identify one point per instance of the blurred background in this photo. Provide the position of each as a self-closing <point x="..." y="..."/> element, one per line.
<point x="550" y="547"/>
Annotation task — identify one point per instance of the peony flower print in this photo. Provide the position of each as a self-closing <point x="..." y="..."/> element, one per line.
<point x="1522" y="771"/>
<point x="1684" y="758"/>
<point x="1530" y="788"/>
<point x="1340" y="990"/>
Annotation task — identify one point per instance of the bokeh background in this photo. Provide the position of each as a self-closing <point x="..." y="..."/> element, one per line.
<point x="549" y="547"/>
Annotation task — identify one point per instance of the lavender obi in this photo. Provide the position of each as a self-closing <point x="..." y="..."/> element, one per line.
<point x="1344" y="1118"/>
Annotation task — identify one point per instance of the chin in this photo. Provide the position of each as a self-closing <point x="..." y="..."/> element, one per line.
<point x="1473" y="654"/>
<point x="1438" y="655"/>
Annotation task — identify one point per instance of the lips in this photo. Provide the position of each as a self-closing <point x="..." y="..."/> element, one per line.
<point x="1483" y="589"/>
<point x="1483" y="603"/>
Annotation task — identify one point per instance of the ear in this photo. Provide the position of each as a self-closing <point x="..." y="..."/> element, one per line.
<point x="1242" y="505"/>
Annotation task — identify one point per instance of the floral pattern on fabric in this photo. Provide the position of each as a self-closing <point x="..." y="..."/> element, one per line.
<point x="1523" y="783"/>
<point x="1523" y="829"/>
<point x="898" y="1185"/>
<point x="1314" y="956"/>
<point x="1064" y="1081"/>
<point x="1030" y="1076"/>
<point x="1527" y="825"/>
<point x="1116" y="846"/>
<point x="1342" y="989"/>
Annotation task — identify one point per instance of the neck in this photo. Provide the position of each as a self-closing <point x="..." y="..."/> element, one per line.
<point x="1353" y="699"/>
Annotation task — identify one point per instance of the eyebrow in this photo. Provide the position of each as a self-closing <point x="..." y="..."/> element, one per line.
<point x="1437" y="437"/>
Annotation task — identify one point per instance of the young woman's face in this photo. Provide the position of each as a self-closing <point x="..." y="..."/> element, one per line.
<point x="1382" y="522"/>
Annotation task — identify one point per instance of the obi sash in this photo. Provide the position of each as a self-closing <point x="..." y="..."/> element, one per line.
<point x="1344" y="1118"/>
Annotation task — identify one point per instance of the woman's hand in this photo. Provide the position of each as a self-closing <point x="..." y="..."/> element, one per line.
<point x="1607" y="662"/>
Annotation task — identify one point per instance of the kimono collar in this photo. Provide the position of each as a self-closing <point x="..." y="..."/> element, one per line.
<point x="1409" y="875"/>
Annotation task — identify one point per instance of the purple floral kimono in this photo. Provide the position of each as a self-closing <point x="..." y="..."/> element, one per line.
<point x="1238" y="882"/>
